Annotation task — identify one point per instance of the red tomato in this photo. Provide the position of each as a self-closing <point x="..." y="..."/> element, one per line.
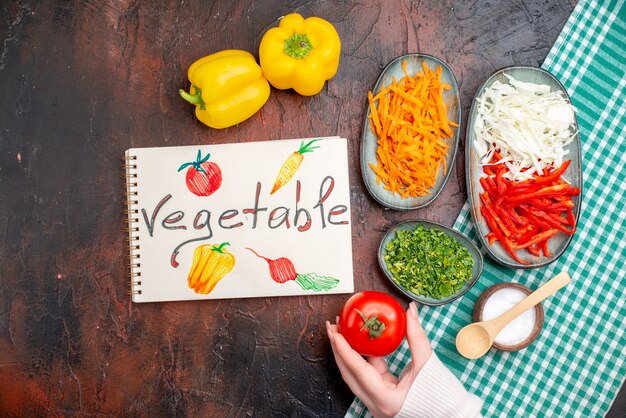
<point x="373" y="323"/>
<point x="203" y="177"/>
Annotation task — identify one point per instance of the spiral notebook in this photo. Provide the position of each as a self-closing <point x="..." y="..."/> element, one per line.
<point x="255" y="219"/>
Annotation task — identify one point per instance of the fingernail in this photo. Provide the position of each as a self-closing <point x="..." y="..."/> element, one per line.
<point x="329" y="331"/>
<point x="413" y="310"/>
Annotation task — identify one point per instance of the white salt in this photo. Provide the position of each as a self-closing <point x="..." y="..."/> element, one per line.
<point x="521" y="327"/>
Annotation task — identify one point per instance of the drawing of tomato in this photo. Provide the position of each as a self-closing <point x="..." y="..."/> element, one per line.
<point x="373" y="323"/>
<point x="203" y="176"/>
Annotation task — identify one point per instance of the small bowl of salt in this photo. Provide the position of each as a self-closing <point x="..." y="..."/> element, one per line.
<point x="520" y="332"/>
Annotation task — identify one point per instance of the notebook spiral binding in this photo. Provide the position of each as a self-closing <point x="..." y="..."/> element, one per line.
<point x="132" y="213"/>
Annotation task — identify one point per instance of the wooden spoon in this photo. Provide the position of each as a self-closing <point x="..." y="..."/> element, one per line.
<point x="476" y="339"/>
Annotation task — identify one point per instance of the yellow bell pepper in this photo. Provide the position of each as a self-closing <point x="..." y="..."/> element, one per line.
<point x="210" y="264"/>
<point x="300" y="54"/>
<point x="227" y="88"/>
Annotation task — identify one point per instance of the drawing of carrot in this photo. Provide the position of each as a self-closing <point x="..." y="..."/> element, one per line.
<point x="283" y="270"/>
<point x="291" y="165"/>
<point x="210" y="264"/>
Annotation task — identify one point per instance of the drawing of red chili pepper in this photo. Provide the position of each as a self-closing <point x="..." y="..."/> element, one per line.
<point x="203" y="177"/>
<point x="283" y="270"/>
<point x="291" y="165"/>
<point x="210" y="264"/>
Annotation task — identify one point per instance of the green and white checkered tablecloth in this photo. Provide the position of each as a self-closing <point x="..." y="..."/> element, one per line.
<point x="577" y="365"/>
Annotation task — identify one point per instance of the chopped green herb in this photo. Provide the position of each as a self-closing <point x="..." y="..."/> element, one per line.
<point x="428" y="262"/>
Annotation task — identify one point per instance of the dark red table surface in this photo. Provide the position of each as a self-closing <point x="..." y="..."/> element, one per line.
<point x="81" y="82"/>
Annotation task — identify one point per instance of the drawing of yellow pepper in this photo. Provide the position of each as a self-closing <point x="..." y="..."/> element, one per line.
<point x="210" y="264"/>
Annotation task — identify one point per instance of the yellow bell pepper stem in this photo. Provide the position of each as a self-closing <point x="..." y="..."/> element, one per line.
<point x="298" y="45"/>
<point x="219" y="248"/>
<point x="300" y="54"/>
<point x="195" y="99"/>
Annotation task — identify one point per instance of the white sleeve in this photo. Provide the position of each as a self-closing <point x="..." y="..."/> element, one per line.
<point x="436" y="392"/>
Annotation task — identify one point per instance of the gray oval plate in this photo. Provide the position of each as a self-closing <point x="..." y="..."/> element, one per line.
<point x="462" y="239"/>
<point x="369" y="140"/>
<point x="559" y="242"/>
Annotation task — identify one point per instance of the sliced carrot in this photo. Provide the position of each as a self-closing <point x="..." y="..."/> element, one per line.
<point x="374" y="115"/>
<point x="410" y="120"/>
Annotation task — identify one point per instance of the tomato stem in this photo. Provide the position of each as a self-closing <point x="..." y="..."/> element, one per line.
<point x="196" y="164"/>
<point x="372" y="324"/>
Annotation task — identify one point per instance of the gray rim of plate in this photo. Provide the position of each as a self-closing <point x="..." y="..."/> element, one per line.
<point x="469" y="151"/>
<point x="477" y="269"/>
<point x="382" y="196"/>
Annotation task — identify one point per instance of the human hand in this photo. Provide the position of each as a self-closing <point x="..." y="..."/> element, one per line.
<point x="370" y="380"/>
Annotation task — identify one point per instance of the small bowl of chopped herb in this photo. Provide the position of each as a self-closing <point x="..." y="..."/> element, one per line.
<point x="428" y="262"/>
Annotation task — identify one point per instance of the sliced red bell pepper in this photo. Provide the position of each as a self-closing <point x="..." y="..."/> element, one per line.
<point x="554" y="175"/>
<point x="545" y="249"/>
<point x="494" y="215"/>
<point x="548" y="191"/>
<point x="520" y="188"/>
<point x="531" y="232"/>
<point x="570" y="217"/>
<point x="519" y="220"/>
<point x="508" y="183"/>
<point x="500" y="181"/>
<point x="553" y="221"/>
<point x="573" y="191"/>
<point x="492" y="184"/>
<point x="507" y="220"/>
<point x="559" y="206"/>
<point x="534" y="250"/>
<point x="552" y="216"/>
<point x="499" y="235"/>
<point x="526" y="214"/>
<point x="525" y="210"/>
<point x="491" y="237"/>
<point x="494" y="159"/>
<point x="486" y="185"/>
<point x="540" y="202"/>
<point x="538" y="238"/>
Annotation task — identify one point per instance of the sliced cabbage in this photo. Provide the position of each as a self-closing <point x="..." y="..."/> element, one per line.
<point x="527" y="123"/>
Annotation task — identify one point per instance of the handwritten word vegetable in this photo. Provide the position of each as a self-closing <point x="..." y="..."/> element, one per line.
<point x="203" y="177"/>
<point x="428" y="262"/>
<point x="210" y="264"/>
<point x="409" y="118"/>
<point x="291" y="165"/>
<point x="201" y="223"/>
<point x="529" y="125"/>
<point x="282" y="270"/>
<point x="300" y="54"/>
<point x="526" y="214"/>
<point x="226" y="87"/>
<point x="373" y="323"/>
